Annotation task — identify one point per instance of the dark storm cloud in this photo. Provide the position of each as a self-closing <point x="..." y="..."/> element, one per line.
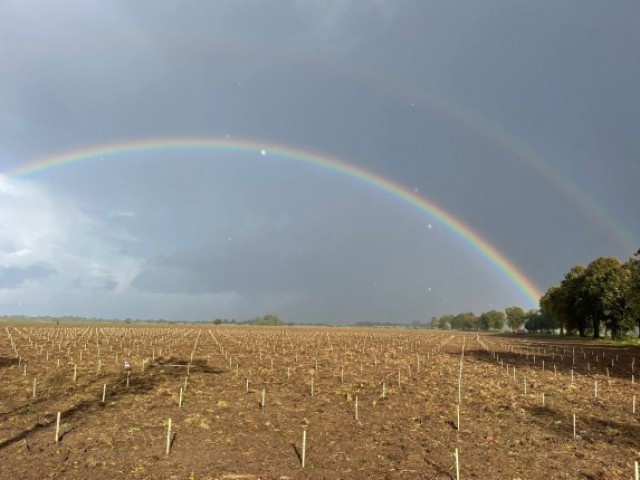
<point x="154" y="70"/>
<point x="321" y="250"/>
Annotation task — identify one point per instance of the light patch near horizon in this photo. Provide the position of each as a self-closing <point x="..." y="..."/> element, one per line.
<point x="45" y="229"/>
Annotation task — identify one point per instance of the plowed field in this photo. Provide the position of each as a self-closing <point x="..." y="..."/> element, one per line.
<point x="407" y="385"/>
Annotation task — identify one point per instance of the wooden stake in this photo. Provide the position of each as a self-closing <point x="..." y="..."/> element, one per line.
<point x="104" y="392"/>
<point x="262" y="399"/>
<point x="304" y="447"/>
<point x="633" y="407"/>
<point x="58" y="428"/>
<point x="180" y="401"/>
<point x="34" y="387"/>
<point x="356" y="409"/>
<point x="574" y="426"/>
<point x="169" y="436"/>
<point x="457" y="465"/>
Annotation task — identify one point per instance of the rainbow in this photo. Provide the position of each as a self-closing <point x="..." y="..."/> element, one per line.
<point x="506" y="267"/>
<point x="418" y="96"/>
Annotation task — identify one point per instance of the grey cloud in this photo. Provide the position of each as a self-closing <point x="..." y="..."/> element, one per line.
<point x="15" y="277"/>
<point x="40" y="227"/>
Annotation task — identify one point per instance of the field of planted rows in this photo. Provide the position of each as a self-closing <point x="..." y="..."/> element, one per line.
<point x="246" y="403"/>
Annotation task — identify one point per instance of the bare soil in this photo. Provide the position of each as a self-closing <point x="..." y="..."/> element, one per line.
<point x="311" y="379"/>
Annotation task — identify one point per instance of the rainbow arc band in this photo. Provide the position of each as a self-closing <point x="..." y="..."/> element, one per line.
<point x="499" y="261"/>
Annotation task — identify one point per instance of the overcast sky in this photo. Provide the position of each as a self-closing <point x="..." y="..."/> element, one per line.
<point x="520" y="119"/>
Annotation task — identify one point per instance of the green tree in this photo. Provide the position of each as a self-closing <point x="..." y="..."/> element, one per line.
<point x="515" y="317"/>
<point x="492" y="320"/>
<point x="465" y="321"/>
<point x="575" y="304"/>
<point x="550" y="305"/>
<point x="633" y="292"/>
<point x="539" y="322"/>
<point x="606" y="286"/>
<point x="605" y="293"/>
<point x="530" y="314"/>
<point x="566" y="304"/>
<point x="269" y="319"/>
<point x="444" y="322"/>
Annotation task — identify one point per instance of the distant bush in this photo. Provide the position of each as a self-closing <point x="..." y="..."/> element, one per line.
<point x="270" y="320"/>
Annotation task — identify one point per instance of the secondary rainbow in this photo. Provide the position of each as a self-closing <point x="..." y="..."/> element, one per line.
<point x="506" y="267"/>
<point x="416" y="95"/>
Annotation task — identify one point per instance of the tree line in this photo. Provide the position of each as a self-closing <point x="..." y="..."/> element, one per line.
<point x="602" y="297"/>
<point x="514" y="317"/>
